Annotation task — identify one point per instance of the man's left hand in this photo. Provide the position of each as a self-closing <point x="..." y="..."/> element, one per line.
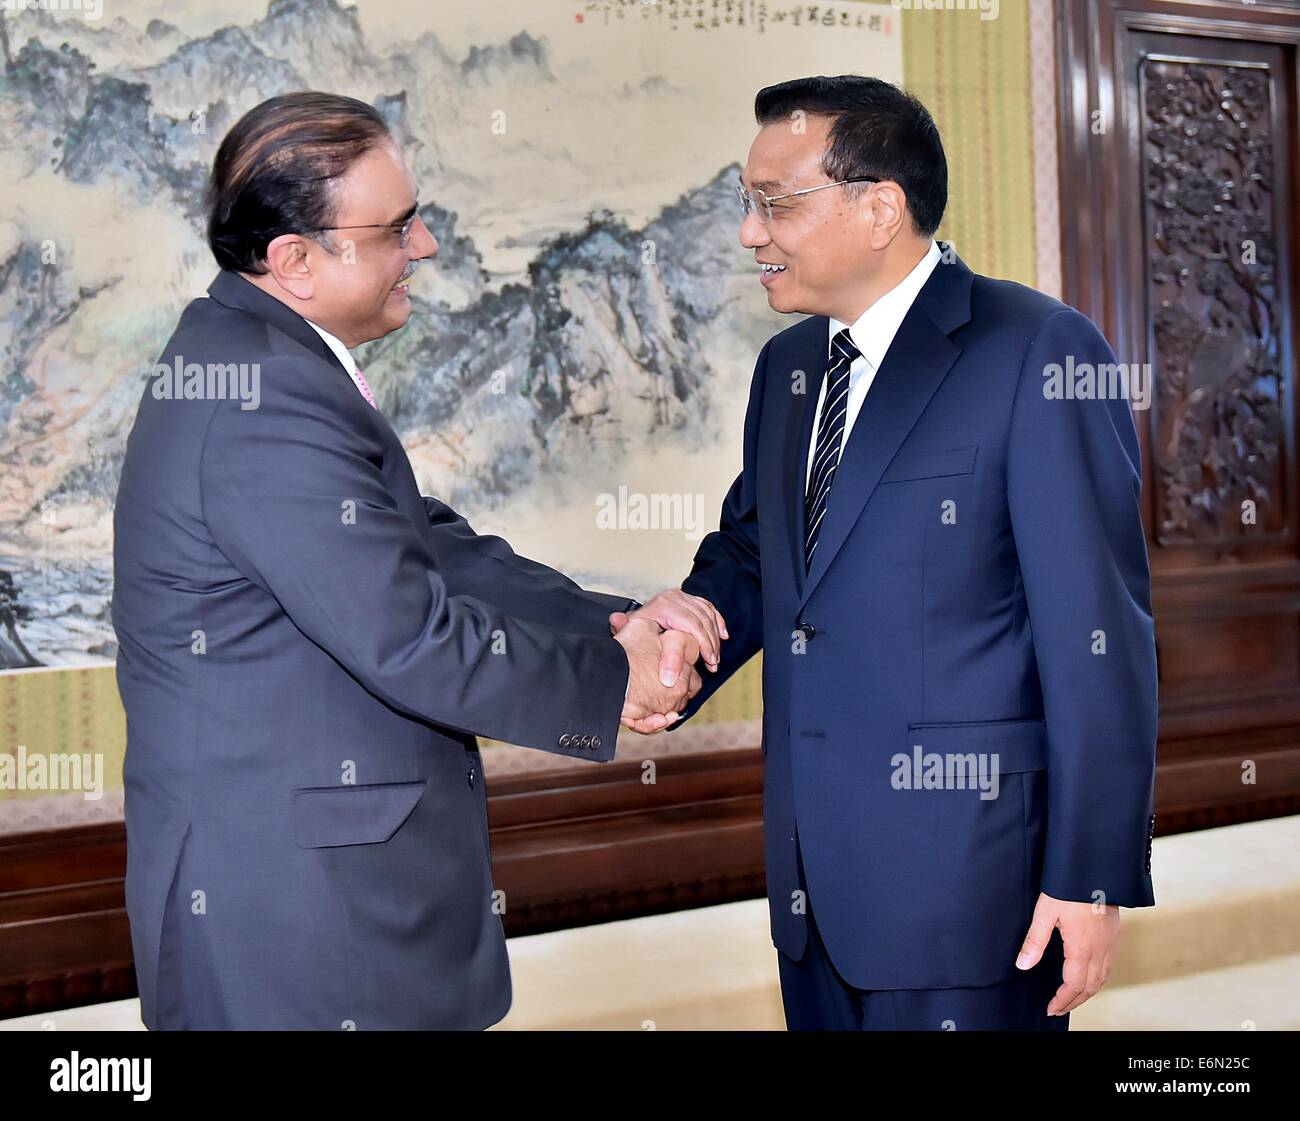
<point x="675" y="610"/>
<point x="1089" y="932"/>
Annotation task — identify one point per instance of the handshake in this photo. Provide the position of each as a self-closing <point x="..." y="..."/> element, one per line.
<point x="663" y="639"/>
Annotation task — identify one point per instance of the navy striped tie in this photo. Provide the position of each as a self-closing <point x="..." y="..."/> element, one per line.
<point x="830" y="433"/>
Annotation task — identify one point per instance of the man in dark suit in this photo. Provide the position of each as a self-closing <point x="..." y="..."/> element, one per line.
<point x="308" y="646"/>
<point x="943" y="562"/>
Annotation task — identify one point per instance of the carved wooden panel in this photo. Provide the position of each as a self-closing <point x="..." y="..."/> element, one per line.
<point x="1222" y="467"/>
<point x="1178" y="149"/>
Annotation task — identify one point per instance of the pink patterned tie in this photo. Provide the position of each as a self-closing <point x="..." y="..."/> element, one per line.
<point x="364" y="386"/>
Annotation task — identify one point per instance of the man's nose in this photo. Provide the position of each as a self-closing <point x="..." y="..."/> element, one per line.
<point x="752" y="232"/>
<point x="422" y="244"/>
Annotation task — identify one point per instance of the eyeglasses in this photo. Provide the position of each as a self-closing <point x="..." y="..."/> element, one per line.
<point x="761" y="203"/>
<point x="403" y="228"/>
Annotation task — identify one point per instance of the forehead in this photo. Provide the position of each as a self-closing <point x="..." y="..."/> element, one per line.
<point x="786" y="153"/>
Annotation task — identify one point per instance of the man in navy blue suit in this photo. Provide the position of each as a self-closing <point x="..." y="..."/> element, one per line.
<point x="941" y="556"/>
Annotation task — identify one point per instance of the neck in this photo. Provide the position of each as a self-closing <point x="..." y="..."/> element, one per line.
<point x="268" y="284"/>
<point x="896" y="261"/>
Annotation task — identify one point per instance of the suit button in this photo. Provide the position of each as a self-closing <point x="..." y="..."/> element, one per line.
<point x="471" y="778"/>
<point x="586" y="741"/>
<point x="564" y="739"/>
<point x="807" y="630"/>
<point x="595" y="742"/>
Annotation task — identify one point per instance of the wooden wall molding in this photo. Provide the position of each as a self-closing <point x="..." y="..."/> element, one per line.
<point x="569" y="849"/>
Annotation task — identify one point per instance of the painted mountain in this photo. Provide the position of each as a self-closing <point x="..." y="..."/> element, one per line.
<point x="590" y="321"/>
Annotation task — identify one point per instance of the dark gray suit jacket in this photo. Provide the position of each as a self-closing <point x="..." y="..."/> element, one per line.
<point x="307" y="648"/>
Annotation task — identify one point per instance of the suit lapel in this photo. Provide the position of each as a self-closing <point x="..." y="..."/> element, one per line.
<point x="914" y="367"/>
<point x="812" y="357"/>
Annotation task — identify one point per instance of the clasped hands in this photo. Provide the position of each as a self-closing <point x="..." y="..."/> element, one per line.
<point x="663" y="639"/>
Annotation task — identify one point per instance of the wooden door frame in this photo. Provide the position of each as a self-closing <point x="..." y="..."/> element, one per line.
<point x="1202" y="747"/>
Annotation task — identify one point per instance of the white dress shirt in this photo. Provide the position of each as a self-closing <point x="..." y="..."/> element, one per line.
<point x="340" y="352"/>
<point x="872" y="333"/>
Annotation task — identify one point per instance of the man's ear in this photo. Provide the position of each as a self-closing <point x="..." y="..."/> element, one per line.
<point x="885" y="213"/>
<point x="288" y="260"/>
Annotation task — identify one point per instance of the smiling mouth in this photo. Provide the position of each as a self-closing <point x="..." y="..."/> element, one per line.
<point x="407" y="273"/>
<point x="770" y="269"/>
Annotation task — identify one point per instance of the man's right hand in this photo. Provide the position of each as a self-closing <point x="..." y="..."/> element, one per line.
<point x="651" y="705"/>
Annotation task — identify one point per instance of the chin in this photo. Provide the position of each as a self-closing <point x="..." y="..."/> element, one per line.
<point x="395" y="318"/>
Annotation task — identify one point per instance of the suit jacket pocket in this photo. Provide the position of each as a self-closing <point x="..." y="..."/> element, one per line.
<point x="1019" y="745"/>
<point x="329" y="816"/>
<point x="930" y="464"/>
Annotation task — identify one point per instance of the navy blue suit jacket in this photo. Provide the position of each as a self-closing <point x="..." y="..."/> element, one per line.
<point x="307" y="649"/>
<point x="982" y="547"/>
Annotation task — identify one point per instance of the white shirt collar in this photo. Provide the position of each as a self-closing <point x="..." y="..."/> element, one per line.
<point x="336" y="345"/>
<point x="876" y="327"/>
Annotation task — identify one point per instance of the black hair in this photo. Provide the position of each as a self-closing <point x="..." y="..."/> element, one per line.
<point x="878" y="130"/>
